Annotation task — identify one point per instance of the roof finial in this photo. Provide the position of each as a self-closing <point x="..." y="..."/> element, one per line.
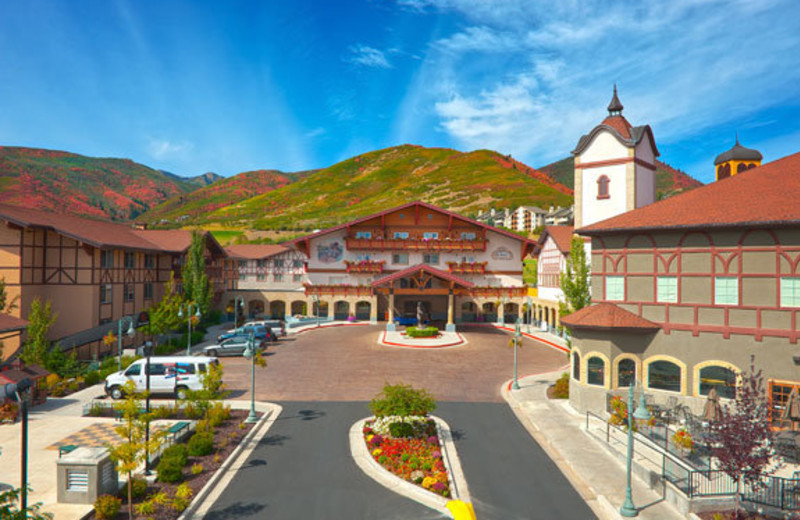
<point x="615" y="107"/>
<point x="737" y="138"/>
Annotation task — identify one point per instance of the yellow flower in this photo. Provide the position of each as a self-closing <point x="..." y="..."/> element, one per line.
<point x="376" y="452"/>
<point x="369" y="437"/>
<point x="427" y="482"/>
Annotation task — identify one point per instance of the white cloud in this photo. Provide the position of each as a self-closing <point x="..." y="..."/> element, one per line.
<point x="315" y="132"/>
<point x="164" y="149"/>
<point x="368" y="57"/>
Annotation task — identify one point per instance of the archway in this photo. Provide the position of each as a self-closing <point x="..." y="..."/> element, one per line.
<point x="298" y="308"/>
<point x="363" y="309"/>
<point x="341" y="310"/>
<point x="469" y="311"/>
<point x="510" y="312"/>
<point x="320" y="309"/>
<point x="489" y="312"/>
<point x="277" y="309"/>
<point x="255" y="308"/>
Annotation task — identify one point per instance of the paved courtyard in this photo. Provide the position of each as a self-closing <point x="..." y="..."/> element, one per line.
<point x="347" y="364"/>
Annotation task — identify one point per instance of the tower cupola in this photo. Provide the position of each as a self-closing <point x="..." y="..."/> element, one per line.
<point x="615" y="107"/>
<point x="736" y="160"/>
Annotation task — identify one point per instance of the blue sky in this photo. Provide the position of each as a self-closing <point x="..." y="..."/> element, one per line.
<point x="196" y="86"/>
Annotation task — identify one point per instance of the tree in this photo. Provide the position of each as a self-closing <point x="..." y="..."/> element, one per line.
<point x="40" y="319"/>
<point x="575" y="280"/>
<point x="196" y="287"/>
<point x="529" y="271"/>
<point x="131" y="452"/>
<point x="9" y="510"/>
<point x="6" y="305"/>
<point x="743" y="436"/>
<point x="198" y="402"/>
<point x="164" y="314"/>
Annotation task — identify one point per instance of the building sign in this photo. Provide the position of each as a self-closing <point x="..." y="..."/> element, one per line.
<point x="502" y="253"/>
<point x="329" y="253"/>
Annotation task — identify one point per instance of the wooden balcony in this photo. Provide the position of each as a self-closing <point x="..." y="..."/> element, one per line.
<point x="466" y="267"/>
<point x="365" y="266"/>
<point x="415" y="244"/>
<point x="338" y="290"/>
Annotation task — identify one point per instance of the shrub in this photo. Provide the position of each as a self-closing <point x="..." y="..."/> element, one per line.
<point x="218" y="413"/>
<point x="427" y="332"/>
<point x="177" y="451"/>
<point x="170" y="470"/>
<point x="52" y="380"/>
<point x="92" y="378"/>
<point x="401" y="429"/>
<point x="201" y="444"/>
<point x="561" y="388"/>
<point x="197" y="469"/>
<point x="106" y="507"/>
<point x="139" y="488"/>
<point x="184" y="491"/>
<point x="163" y="412"/>
<point x="146" y="508"/>
<point x="402" y="400"/>
<point x="73" y="386"/>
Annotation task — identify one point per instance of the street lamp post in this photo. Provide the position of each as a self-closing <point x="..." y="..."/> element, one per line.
<point x="189" y="320"/>
<point x="517" y="338"/>
<point x="15" y="390"/>
<point x="641" y="414"/>
<point x="236" y="301"/>
<point x="130" y="332"/>
<point x="530" y="314"/>
<point x="250" y="353"/>
<point x="503" y="312"/>
<point x="315" y="300"/>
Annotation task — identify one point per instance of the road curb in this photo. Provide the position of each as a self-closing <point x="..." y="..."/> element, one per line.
<point x="216" y="485"/>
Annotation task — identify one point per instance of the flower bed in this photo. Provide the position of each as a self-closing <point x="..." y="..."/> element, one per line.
<point x="409" y="448"/>
<point x="417" y="332"/>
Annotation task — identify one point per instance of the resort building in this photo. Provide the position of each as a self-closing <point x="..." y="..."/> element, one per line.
<point x="686" y="290"/>
<point x="93" y="272"/>
<point x="385" y="265"/>
<point x="526" y="219"/>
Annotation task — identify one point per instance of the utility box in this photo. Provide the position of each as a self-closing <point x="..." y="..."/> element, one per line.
<point x="85" y="474"/>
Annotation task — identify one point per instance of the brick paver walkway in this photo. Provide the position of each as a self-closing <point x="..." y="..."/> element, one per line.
<point x="348" y="364"/>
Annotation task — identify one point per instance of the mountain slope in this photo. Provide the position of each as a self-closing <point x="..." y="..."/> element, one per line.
<point x="117" y="189"/>
<point x="224" y="192"/>
<point x="368" y="183"/>
<point x="669" y="180"/>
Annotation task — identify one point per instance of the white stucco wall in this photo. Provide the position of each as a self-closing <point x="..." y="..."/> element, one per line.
<point x="594" y="209"/>
<point x="603" y="147"/>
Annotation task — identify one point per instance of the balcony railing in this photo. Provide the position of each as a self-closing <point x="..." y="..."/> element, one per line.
<point x="499" y="292"/>
<point x="416" y="244"/>
<point x="467" y="267"/>
<point x="365" y="266"/>
<point x="338" y="290"/>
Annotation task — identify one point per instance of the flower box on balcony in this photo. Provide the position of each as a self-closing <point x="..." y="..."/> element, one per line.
<point x="365" y="266"/>
<point x="467" y="267"/>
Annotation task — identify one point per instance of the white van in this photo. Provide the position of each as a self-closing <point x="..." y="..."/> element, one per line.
<point x="168" y="375"/>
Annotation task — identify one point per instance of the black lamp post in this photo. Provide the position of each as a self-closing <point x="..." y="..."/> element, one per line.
<point x="15" y="390"/>
<point x="148" y="351"/>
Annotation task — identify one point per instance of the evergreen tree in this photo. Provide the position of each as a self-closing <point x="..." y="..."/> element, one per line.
<point x="575" y="280"/>
<point x="37" y="346"/>
<point x="196" y="287"/>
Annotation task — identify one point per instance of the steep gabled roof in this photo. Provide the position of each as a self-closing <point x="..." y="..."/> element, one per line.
<point x="607" y="316"/>
<point x="423" y="268"/>
<point x="562" y="236"/>
<point x="254" y="251"/>
<point x="762" y="196"/>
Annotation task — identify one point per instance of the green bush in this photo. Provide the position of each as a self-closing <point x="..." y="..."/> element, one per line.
<point x="170" y="470"/>
<point x="92" y="378"/>
<point x="561" y="388"/>
<point x="201" y="444"/>
<point x="106" y="507"/>
<point x="139" y="487"/>
<point x="97" y="410"/>
<point x="402" y="400"/>
<point x="177" y="451"/>
<point x="401" y="429"/>
<point x="218" y="413"/>
<point x="427" y="332"/>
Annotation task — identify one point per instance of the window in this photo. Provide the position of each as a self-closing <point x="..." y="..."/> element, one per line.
<point x="297" y="278"/>
<point x="242" y="276"/>
<point x="400" y="258"/>
<point x="664" y="375"/>
<point x="105" y="293"/>
<point x="148" y="290"/>
<point x="260" y="277"/>
<point x="602" y="187"/>
<point x="726" y="290"/>
<point x="128" y="290"/>
<point x="278" y="277"/>
<point x="615" y="288"/>
<point x="401" y="235"/>
<point x="722" y="379"/>
<point x="149" y="261"/>
<point x="466" y="259"/>
<point x="430" y="258"/>
<point x="363" y="258"/>
<point x="626" y="372"/>
<point x="467" y="235"/>
<point x="297" y="264"/>
<point x="576" y="366"/>
<point x="156" y="369"/>
<point x="106" y="259"/>
<point x="277" y="263"/>
<point x="242" y="264"/>
<point x="667" y="289"/>
<point x="261" y="263"/>
<point x="201" y="368"/>
<point x="134" y="370"/>
<point x="430" y="235"/>
<point x="790" y="292"/>
<point x="595" y="371"/>
<point x="130" y="260"/>
<point x="363" y="234"/>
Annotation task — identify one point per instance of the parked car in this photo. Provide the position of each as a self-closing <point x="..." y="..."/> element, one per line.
<point x="234" y="346"/>
<point x="278" y="326"/>
<point x="260" y="332"/>
<point x="168" y="375"/>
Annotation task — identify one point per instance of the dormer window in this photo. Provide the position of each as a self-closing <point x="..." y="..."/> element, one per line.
<point x="602" y="187"/>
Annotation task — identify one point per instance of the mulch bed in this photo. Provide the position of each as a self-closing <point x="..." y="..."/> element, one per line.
<point x="227" y="437"/>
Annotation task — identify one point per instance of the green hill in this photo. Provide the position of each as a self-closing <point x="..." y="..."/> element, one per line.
<point x="117" y="189"/>
<point x="669" y="180"/>
<point x="368" y="183"/>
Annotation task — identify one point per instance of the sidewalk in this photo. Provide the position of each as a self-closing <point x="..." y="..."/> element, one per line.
<point x="596" y="474"/>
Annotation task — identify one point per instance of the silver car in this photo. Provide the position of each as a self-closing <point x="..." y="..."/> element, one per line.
<point x="230" y="347"/>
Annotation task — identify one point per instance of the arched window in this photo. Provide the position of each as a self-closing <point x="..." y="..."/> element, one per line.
<point x="602" y="187"/>
<point x="595" y="371"/>
<point x="723" y="171"/>
<point x="576" y="366"/>
<point x="720" y="378"/>
<point x="626" y="372"/>
<point x="664" y="375"/>
<point x="742" y="167"/>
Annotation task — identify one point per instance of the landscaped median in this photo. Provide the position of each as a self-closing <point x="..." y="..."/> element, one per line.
<point x="411" y="452"/>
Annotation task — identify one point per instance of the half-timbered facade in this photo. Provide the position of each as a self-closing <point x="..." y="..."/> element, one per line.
<point x="688" y="288"/>
<point x="92" y="272"/>
<point x="382" y="266"/>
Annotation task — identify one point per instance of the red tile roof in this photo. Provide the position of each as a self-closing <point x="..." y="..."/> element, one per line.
<point x="606" y="316"/>
<point x="426" y="268"/>
<point x="762" y="196"/>
<point x="254" y="251"/>
<point x="562" y="236"/>
<point x="620" y="124"/>
<point x="9" y="323"/>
